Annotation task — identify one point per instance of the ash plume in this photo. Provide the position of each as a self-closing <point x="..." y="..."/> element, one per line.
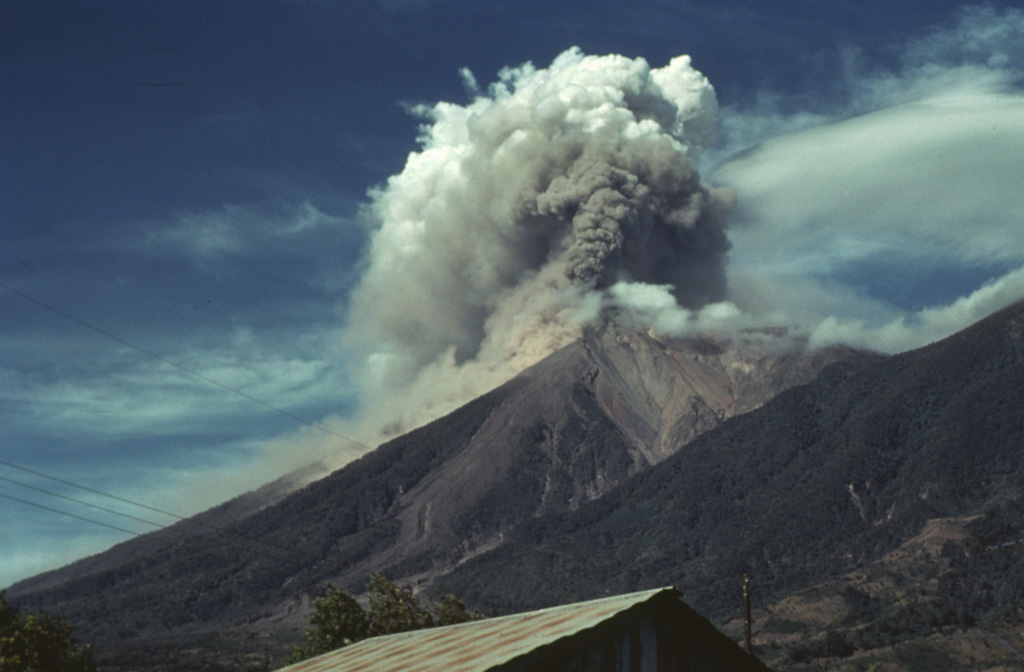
<point x="503" y="235"/>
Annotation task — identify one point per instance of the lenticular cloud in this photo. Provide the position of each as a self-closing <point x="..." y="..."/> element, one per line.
<point x="499" y="238"/>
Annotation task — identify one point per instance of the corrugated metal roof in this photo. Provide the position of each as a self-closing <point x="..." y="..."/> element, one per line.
<point x="475" y="646"/>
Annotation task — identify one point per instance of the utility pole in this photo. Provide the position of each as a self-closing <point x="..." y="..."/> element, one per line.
<point x="747" y="645"/>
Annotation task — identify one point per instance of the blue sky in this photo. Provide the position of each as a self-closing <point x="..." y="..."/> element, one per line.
<point x="191" y="181"/>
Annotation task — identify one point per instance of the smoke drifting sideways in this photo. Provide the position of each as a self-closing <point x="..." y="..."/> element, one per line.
<point x="556" y="193"/>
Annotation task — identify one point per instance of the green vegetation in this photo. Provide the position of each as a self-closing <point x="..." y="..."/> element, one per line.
<point x="40" y="643"/>
<point x="338" y="620"/>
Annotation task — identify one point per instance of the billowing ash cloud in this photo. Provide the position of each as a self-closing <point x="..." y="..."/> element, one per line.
<point x="500" y="237"/>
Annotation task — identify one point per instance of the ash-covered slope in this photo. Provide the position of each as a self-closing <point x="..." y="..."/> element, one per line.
<point x="583" y="420"/>
<point x="564" y="432"/>
<point x="662" y="393"/>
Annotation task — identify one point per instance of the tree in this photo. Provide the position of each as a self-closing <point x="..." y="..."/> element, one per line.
<point x="338" y="620"/>
<point x="394" y="609"/>
<point x="449" y="610"/>
<point x="40" y="643"/>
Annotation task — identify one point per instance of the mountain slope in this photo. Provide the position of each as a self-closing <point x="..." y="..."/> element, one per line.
<point x="861" y="499"/>
<point x="565" y="432"/>
<point x="827" y="484"/>
<point x="585" y="419"/>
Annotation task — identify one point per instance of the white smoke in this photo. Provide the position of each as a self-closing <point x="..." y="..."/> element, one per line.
<point x="501" y="237"/>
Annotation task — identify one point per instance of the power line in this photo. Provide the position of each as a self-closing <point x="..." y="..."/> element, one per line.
<point x="150" y="508"/>
<point x="151" y="535"/>
<point x="66" y="513"/>
<point x="196" y="374"/>
<point x="107" y="334"/>
<point x="83" y="503"/>
<point x="159" y="526"/>
<point x="92" y="490"/>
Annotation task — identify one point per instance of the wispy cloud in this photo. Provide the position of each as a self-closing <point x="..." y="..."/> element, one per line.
<point x="129" y="394"/>
<point x="926" y="325"/>
<point x="213" y="236"/>
<point x="143" y="429"/>
<point x="915" y="172"/>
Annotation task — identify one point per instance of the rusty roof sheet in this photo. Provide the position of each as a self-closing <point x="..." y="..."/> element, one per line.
<point x="474" y="646"/>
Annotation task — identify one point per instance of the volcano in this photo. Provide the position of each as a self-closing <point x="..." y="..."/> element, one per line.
<point x="854" y="488"/>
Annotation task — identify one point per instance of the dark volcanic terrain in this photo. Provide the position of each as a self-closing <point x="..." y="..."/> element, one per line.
<point x="879" y="504"/>
<point x="859" y="492"/>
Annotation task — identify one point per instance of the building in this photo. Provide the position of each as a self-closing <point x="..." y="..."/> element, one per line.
<point x="650" y="631"/>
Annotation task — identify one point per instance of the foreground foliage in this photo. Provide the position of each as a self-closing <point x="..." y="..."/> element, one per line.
<point x="40" y="643"/>
<point x="338" y="619"/>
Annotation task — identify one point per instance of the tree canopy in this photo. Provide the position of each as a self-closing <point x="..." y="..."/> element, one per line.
<point x="40" y="643"/>
<point x="339" y="620"/>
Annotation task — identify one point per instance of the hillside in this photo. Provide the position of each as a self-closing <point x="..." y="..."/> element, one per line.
<point x="875" y="502"/>
<point x="862" y="505"/>
<point x="565" y="432"/>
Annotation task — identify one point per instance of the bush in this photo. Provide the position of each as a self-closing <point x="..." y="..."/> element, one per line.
<point x="40" y="643"/>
